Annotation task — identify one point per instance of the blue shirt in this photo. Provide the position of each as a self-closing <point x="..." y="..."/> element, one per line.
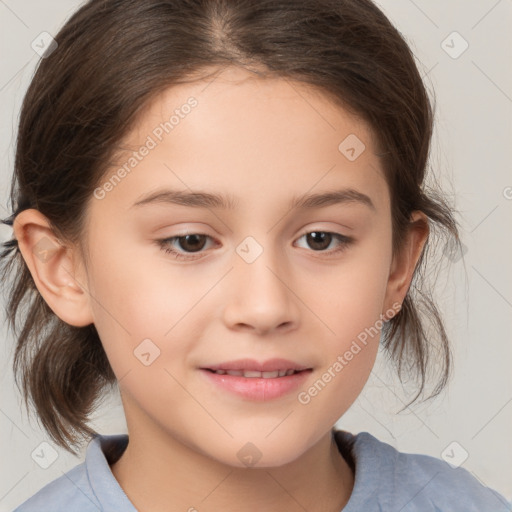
<point x="386" y="480"/>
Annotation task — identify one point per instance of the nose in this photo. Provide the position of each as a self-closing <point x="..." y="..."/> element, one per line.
<point x="261" y="295"/>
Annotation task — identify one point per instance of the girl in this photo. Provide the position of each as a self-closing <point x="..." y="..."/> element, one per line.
<point x="220" y="206"/>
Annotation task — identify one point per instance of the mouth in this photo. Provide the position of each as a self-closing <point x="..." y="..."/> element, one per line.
<point x="251" y="368"/>
<point x="257" y="381"/>
<point x="253" y="374"/>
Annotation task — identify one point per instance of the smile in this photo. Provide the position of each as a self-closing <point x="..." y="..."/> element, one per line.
<point x="256" y="374"/>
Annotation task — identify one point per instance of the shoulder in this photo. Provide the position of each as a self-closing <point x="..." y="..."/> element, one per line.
<point x="439" y="485"/>
<point x="414" y="482"/>
<point x="71" y="491"/>
<point x="88" y="487"/>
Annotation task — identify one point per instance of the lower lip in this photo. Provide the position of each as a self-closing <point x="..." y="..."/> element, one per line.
<point x="258" y="389"/>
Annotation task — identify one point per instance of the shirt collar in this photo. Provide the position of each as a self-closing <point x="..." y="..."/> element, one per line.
<point x="101" y="450"/>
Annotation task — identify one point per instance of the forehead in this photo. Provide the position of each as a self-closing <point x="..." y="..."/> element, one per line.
<point x="237" y="97"/>
<point x="247" y="137"/>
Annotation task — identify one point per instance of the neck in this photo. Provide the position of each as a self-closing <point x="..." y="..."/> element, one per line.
<point x="156" y="474"/>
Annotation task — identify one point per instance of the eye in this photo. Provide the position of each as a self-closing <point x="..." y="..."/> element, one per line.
<point x="320" y="240"/>
<point x="192" y="243"/>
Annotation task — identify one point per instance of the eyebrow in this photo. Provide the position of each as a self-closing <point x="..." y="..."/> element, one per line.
<point x="228" y="202"/>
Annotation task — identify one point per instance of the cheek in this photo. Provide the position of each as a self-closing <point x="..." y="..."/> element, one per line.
<point x="349" y="302"/>
<point x="348" y="347"/>
<point x="350" y="298"/>
<point x="137" y="295"/>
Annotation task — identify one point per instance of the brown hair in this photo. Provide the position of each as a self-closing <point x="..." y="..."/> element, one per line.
<point x="113" y="58"/>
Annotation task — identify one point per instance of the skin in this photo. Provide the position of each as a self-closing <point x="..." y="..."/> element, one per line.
<point x="262" y="141"/>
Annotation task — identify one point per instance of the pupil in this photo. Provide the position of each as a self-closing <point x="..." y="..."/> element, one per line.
<point x="320" y="236"/>
<point x="193" y="238"/>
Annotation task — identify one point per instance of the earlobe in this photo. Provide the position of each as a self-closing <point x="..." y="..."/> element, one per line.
<point x="52" y="266"/>
<point x="404" y="263"/>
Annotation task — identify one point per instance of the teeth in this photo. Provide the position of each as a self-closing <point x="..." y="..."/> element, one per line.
<point x="235" y="372"/>
<point x="251" y="373"/>
<point x="255" y="374"/>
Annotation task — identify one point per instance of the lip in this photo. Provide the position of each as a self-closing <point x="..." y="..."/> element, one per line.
<point x="251" y="364"/>
<point x="256" y="388"/>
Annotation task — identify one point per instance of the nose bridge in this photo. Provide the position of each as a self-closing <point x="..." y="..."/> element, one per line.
<point x="260" y="295"/>
<point x="259" y="263"/>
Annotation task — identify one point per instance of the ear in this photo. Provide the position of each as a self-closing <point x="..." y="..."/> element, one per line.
<point x="404" y="263"/>
<point x="53" y="268"/>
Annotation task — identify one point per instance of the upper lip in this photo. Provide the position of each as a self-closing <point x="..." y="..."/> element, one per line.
<point x="252" y="365"/>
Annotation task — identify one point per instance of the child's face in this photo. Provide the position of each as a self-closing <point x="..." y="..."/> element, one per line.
<point x="257" y="288"/>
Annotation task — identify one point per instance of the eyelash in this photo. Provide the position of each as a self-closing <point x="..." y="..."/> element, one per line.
<point x="164" y="244"/>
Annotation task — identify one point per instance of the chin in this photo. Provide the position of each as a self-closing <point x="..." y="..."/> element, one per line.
<point x="257" y="454"/>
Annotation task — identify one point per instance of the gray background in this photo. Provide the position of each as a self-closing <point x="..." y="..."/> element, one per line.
<point x="471" y="155"/>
